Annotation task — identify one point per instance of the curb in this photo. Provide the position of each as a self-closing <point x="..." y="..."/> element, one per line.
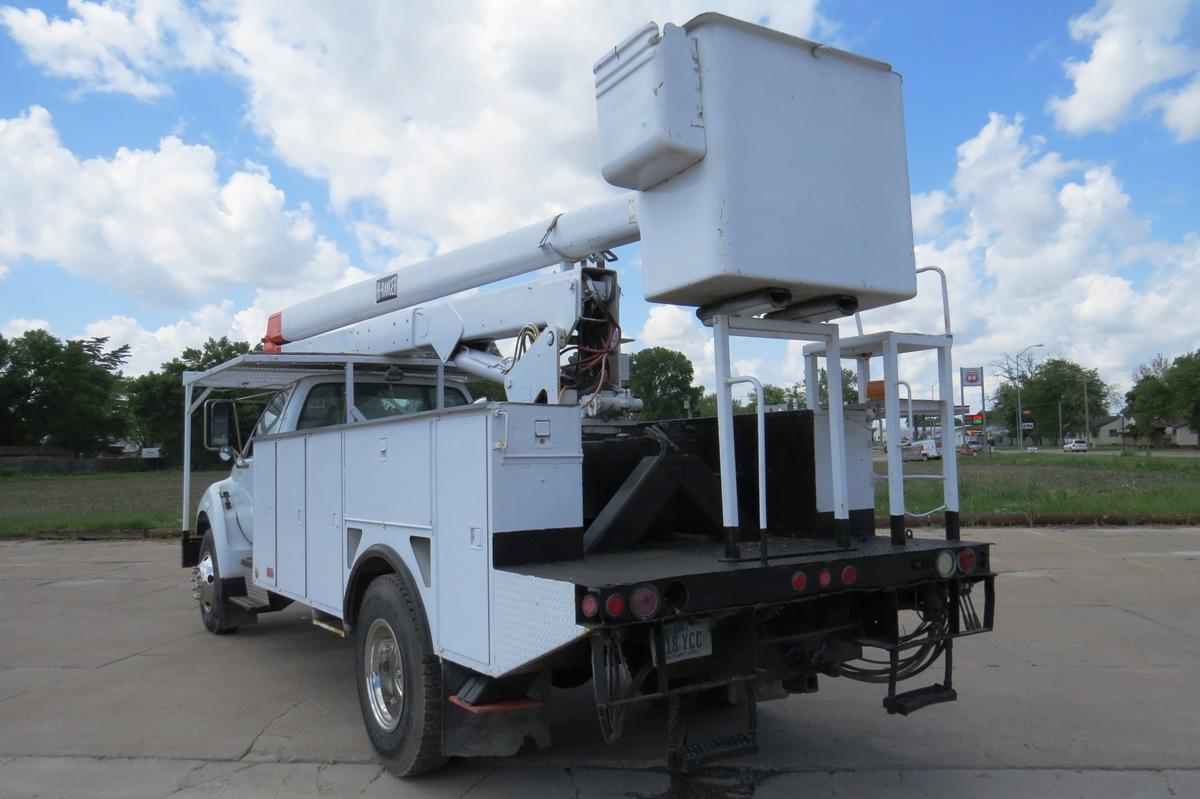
<point x="1037" y="519"/>
<point x="156" y="533"/>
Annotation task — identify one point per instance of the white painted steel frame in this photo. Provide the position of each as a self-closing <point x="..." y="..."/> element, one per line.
<point x="724" y="327"/>
<point x="888" y="346"/>
<point x="761" y="428"/>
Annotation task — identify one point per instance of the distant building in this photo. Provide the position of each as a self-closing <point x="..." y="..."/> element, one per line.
<point x="1182" y="436"/>
<point x="1109" y="429"/>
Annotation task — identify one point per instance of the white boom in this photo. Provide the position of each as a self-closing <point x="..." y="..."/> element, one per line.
<point x="570" y="236"/>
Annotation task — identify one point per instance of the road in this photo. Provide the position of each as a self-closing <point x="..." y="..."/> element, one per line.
<point x="110" y="687"/>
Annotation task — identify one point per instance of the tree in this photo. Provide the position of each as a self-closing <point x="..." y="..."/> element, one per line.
<point x="1045" y="388"/>
<point x="155" y="399"/>
<point x="849" y="386"/>
<point x="662" y="379"/>
<point x="1166" y="394"/>
<point x="772" y="395"/>
<point x="61" y="393"/>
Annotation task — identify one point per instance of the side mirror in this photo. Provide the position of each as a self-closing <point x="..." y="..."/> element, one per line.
<point x="224" y="454"/>
<point x="221" y="427"/>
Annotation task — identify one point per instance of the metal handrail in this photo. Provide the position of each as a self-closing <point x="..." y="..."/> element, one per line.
<point x="945" y="294"/>
<point x="911" y="426"/>
<point x="762" y="444"/>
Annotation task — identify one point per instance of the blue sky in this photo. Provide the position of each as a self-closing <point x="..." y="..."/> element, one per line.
<point x="174" y="172"/>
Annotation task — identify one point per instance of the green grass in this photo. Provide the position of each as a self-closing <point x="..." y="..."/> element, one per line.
<point x="1046" y="483"/>
<point x="95" y="502"/>
<point x="1009" y="483"/>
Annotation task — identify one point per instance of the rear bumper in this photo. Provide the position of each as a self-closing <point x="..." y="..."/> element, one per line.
<point x="691" y="583"/>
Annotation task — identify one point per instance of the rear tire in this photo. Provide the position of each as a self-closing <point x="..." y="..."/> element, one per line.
<point x="399" y="678"/>
<point x="215" y="611"/>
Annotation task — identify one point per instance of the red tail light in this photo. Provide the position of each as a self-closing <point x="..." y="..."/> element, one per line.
<point x="966" y="560"/>
<point x="849" y="575"/>
<point x="824" y="578"/>
<point x="644" y="601"/>
<point x="589" y="606"/>
<point x="799" y="581"/>
<point x="615" y="605"/>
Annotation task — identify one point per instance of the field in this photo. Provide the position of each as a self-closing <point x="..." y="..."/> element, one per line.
<point x="1054" y="483"/>
<point x="1025" y="483"/>
<point x="95" y="502"/>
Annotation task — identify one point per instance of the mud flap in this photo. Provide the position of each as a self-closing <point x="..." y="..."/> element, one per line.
<point x="497" y="728"/>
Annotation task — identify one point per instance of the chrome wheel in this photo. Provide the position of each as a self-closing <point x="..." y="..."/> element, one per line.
<point x="203" y="577"/>
<point x="384" y="673"/>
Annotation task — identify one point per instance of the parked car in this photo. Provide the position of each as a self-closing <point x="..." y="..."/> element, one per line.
<point x="1075" y="445"/>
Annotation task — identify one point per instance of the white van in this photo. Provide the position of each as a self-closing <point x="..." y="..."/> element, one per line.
<point x="923" y="450"/>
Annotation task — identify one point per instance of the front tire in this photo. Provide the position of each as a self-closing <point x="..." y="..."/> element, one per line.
<point x="206" y="586"/>
<point x="399" y="678"/>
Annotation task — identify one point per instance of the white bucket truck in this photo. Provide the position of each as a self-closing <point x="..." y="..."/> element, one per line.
<point x="479" y="554"/>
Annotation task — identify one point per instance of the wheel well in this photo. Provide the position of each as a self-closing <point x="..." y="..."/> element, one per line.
<point x="202" y="524"/>
<point x="368" y="568"/>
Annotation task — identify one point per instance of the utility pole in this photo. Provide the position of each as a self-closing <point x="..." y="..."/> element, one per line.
<point x="1020" y="416"/>
<point x="1060" y="435"/>
<point x="1020" y="421"/>
<point x="1087" y="430"/>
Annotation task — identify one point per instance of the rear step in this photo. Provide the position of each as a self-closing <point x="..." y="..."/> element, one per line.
<point x="328" y="622"/>
<point x="698" y="754"/>
<point x="248" y="603"/>
<point x="912" y="701"/>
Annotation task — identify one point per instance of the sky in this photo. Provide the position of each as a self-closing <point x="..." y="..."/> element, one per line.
<point x="174" y="171"/>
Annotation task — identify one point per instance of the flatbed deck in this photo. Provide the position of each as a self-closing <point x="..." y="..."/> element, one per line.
<point x="695" y="557"/>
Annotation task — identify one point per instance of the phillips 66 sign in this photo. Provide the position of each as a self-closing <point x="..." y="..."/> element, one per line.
<point x="972" y="376"/>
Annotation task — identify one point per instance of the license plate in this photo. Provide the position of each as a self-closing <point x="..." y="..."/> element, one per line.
<point x="686" y="640"/>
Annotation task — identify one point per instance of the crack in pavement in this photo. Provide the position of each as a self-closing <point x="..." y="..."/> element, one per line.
<point x="478" y="782"/>
<point x="378" y="775"/>
<point x="182" y="787"/>
<point x="267" y="726"/>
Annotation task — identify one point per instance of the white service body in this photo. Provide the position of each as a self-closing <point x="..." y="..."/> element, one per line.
<point x="434" y="488"/>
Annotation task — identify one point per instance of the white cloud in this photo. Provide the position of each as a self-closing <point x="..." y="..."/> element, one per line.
<point x="1181" y="111"/>
<point x="122" y="47"/>
<point x="458" y="121"/>
<point x="157" y="224"/>
<point x="1051" y="251"/>
<point x="928" y="211"/>
<point x="16" y="327"/>
<point x="1135" y="49"/>
<point x="150" y="348"/>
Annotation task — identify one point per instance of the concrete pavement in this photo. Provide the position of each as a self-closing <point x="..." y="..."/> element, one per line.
<point x="109" y="686"/>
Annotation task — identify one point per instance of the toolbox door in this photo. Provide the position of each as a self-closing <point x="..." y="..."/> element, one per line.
<point x="291" y="554"/>
<point x="461" y="536"/>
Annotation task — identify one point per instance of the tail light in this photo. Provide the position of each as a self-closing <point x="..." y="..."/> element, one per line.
<point x="966" y="560"/>
<point x="615" y="605"/>
<point x="799" y="581"/>
<point x="945" y="563"/>
<point x="824" y="578"/>
<point x="644" y="601"/>
<point x="589" y="606"/>
<point x="849" y="575"/>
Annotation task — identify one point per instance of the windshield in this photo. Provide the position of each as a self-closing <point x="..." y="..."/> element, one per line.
<point x="271" y="415"/>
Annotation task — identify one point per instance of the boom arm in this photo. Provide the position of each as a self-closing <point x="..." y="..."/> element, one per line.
<point x="570" y="236"/>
